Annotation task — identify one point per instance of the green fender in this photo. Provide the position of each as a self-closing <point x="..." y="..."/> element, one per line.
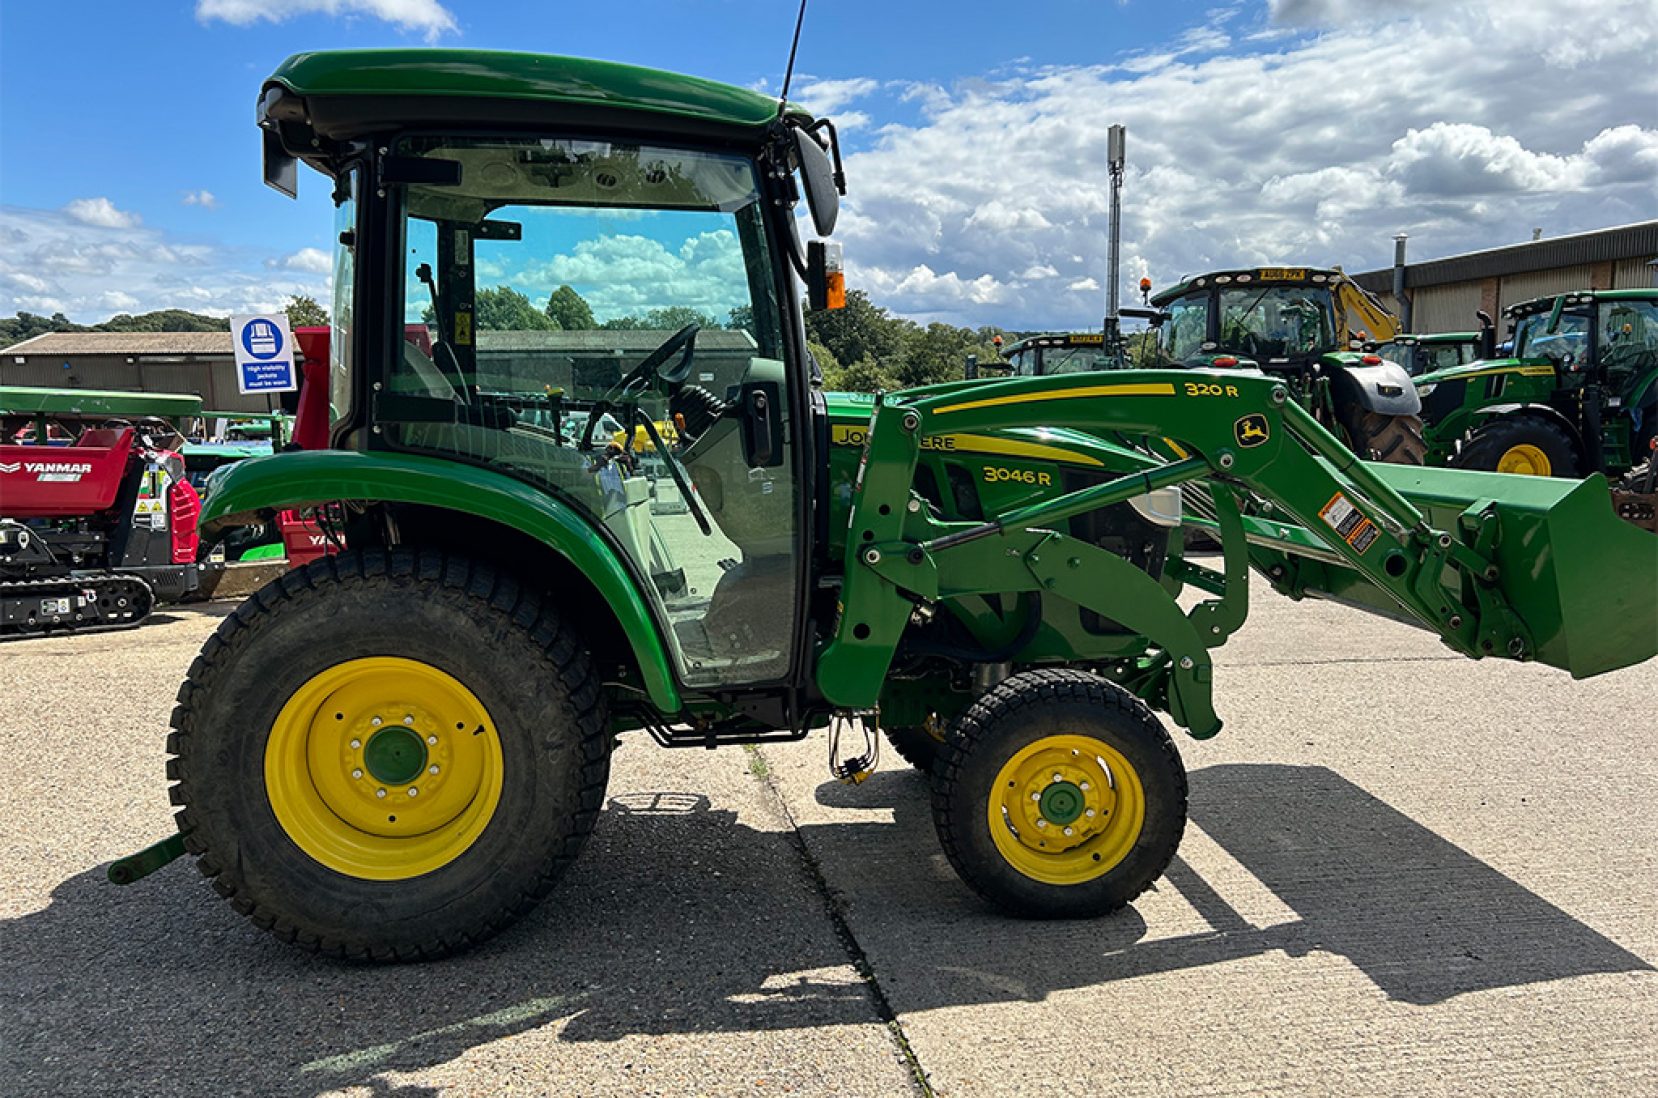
<point x="316" y="476"/>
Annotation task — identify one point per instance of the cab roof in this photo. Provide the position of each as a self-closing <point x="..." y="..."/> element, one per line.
<point x="1249" y="276"/>
<point x="1579" y="297"/>
<point x="415" y="78"/>
<point x="1055" y="339"/>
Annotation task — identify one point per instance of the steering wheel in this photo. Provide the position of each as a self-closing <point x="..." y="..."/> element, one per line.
<point x="650" y="370"/>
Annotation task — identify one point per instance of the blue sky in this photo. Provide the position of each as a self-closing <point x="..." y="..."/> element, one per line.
<point x="1260" y="131"/>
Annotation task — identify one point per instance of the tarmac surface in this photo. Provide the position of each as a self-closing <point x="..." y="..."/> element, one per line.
<point x="1406" y="873"/>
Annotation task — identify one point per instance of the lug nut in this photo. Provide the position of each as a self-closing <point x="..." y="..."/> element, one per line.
<point x="1068" y="831"/>
<point x="1084" y="787"/>
<point x="379" y="792"/>
<point x="358" y="774"/>
<point x="431" y="739"/>
<point x="1036" y="796"/>
<point x="432" y="770"/>
<point x="413" y="792"/>
<point x="1041" y="822"/>
<point x="376" y="722"/>
<point x="1089" y="813"/>
<point x="1058" y="777"/>
<point x="408" y="720"/>
<point x="355" y="744"/>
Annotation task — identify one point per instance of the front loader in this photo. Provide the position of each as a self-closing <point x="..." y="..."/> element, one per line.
<point x="395" y="751"/>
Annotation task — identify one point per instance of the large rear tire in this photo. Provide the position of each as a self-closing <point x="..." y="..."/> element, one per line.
<point x="1059" y="795"/>
<point x="1525" y="444"/>
<point x="1396" y="440"/>
<point x="389" y="755"/>
<point x="917" y="745"/>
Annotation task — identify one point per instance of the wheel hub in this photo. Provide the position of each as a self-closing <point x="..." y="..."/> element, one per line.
<point x="1062" y="802"/>
<point x="395" y="756"/>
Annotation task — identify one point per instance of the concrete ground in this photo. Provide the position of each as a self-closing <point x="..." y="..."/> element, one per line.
<point x="1406" y="873"/>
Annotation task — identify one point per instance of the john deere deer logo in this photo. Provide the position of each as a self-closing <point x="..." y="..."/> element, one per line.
<point x="1251" y="430"/>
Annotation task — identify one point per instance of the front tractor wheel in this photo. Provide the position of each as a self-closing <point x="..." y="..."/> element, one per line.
<point x="388" y="755"/>
<point x="1059" y="795"/>
<point x="1527" y="445"/>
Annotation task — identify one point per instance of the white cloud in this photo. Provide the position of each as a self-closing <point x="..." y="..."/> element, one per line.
<point x="100" y="211"/>
<point x="205" y="199"/>
<point x="629" y="275"/>
<point x="313" y="260"/>
<point x="829" y="96"/>
<point x="54" y="261"/>
<point x="1253" y="141"/>
<point x="421" y="15"/>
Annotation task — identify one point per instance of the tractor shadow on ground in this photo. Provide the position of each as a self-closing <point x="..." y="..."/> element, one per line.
<point x="682" y="919"/>
<point x="1422" y="918"/>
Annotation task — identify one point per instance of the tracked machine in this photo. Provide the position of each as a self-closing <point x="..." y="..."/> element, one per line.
<point x="98" y="522"/>
<point x="396" y="750"/>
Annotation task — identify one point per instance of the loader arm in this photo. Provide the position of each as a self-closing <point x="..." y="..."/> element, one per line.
<point x="1488" y="565"/>
<point x="1355" y="300"/>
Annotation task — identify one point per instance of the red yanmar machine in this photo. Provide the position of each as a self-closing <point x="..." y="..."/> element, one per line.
<point x="97" y="522"/>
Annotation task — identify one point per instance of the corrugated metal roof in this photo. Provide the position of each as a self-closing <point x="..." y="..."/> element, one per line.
<point x="1637" y="241"/>
<point x="124" y="343"/>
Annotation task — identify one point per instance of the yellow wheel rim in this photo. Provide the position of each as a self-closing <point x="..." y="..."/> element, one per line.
<point x="1066" y="809"/>
<point x="383" y="768"/>
<point x="1526" y="460"/>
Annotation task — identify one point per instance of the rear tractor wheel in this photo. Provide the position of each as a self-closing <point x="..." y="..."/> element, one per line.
<point x="1059" y="795"/>
<point x="388" y="755"/>
<point x="1396" y="440"/>
<point x="918" y="744"/>
<point x="1527" y="445"/>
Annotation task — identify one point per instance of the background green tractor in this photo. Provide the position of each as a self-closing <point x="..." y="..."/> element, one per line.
<point x="1579" y="395"/>
<point x="1427" y="353"/>
<point x="1293" y="323"/>
<point x="395" y="751"/>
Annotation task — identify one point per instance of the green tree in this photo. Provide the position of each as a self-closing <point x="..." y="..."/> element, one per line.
<point x="936" y="353"/>
<point x="859" y="331"/>
<point x="304" y="312"/>
<point x="824" y="357"/>
<point x="164" y="320"/>
<point x="668" y="319"/>
<point x="570" y="310"/>
<point x="741" y="319"/>
<point x="28" y="325"/>
<point x="863" y="376"/>
<point x="504" y="309"/>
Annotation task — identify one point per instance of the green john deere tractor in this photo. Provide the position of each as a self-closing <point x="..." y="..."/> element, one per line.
<point x="395" y="751"/>
<point x="1292" y="323"/>
<point x="1426" y="353"/>
<point x="1579" y="395"/>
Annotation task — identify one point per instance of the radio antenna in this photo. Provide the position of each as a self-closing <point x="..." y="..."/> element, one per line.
<point x="788" y="73"/>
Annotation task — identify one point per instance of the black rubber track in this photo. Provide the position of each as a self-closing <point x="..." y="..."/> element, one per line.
<point x="1396" y="440"/>
<point x="500" y="639"/>
<point x="1027" y="707"/>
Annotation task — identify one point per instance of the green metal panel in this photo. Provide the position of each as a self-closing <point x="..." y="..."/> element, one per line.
<point x="316" y="476"/>
<point x="17" y="400"/>
<point x="530" y="77"/>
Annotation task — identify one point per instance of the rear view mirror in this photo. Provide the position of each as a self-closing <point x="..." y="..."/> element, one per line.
<point x="281" y="170"/>
<point x="818" y="176"/>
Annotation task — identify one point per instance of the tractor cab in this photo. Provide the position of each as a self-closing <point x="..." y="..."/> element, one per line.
<point x="1278" y="318"/>
<point x="560" y="271"/>
<point x="1299" y="324"/>
<point x="1425" y="353"/>
<point x="1577" y="394"/>
<point x="1059" y="353"/>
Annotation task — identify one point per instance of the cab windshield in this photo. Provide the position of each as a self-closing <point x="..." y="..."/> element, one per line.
<point x="1567" y="345"/>
<point x="1268" y="322"/>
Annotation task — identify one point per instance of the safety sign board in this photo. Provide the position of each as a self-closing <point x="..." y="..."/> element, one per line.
<point x="264" y="354"/>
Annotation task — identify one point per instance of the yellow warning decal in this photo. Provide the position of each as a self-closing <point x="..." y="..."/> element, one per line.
<point x="1160" y="388"/>
<point x="463" y="329"/>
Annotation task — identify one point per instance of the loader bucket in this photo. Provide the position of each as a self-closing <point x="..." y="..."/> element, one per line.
<point x="1584" y="581"/>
